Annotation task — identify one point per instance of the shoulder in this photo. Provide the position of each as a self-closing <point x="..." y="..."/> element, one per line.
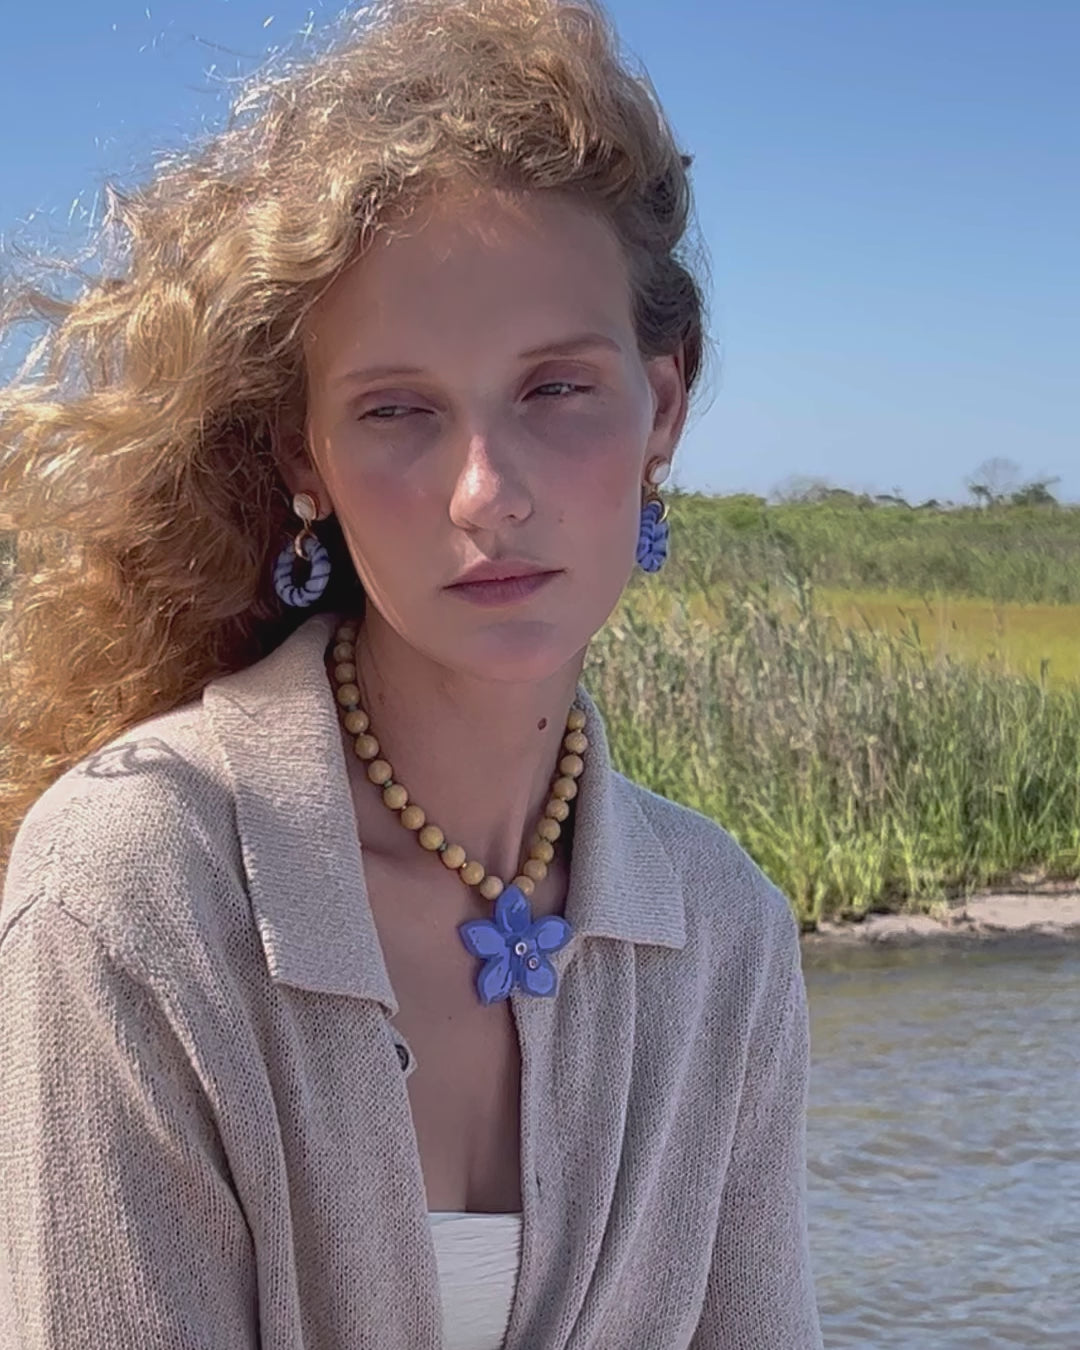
<point x="135" y="832"/>
<point x="726" y="893"/>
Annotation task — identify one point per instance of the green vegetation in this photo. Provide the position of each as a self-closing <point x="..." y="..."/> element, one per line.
<point x="1035" y="640"/>
<point x="1025" y="554"/>
<point x="864" y="765"/>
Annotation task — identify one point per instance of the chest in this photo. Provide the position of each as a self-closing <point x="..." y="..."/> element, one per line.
<point x="621" y="1157"/>
<point x="465" y="1089"/>
<point x="627" y="1100"/>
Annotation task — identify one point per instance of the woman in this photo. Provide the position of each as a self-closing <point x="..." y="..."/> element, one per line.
<point x="351" y="998"/>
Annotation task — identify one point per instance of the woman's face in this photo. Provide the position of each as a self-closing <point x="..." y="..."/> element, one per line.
<point x="475" y="393"/>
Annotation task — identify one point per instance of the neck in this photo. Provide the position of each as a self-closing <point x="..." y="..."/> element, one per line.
<point x="477" y="755"/>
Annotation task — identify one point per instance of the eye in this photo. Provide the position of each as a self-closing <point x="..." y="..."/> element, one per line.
<point x="563" y="384"/>
<point x="373" y="413"/>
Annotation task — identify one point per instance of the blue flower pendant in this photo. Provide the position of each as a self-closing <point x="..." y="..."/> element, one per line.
<point x="513" y="948"/>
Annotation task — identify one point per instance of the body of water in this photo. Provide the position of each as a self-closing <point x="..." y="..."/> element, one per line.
<point x="944" y="1145"/>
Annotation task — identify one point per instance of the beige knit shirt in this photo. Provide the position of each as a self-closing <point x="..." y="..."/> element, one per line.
<point x="205" y="1134"/>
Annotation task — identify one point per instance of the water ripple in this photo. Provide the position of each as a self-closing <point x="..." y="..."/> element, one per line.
<point x="944" y="1148"/>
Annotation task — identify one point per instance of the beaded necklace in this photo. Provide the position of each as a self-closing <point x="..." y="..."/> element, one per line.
<point x="512" y="945"/>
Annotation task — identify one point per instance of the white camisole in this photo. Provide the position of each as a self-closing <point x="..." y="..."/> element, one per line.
<point x="477" y="1256"/>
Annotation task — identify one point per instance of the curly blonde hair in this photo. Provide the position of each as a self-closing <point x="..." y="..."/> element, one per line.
<point x="139" y="468"/>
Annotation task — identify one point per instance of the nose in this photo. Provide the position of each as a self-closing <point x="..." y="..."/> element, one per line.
<point x="491" y="487"/>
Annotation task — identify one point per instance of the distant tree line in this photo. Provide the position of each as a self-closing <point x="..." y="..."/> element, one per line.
<point x="995" y="483"/>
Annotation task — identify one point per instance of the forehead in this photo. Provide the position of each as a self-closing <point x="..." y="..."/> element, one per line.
<point x="481" y="263"/>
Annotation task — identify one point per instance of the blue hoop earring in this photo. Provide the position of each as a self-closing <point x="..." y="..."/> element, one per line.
<point x="308" y="546"/>
<point x="652" y="545"/>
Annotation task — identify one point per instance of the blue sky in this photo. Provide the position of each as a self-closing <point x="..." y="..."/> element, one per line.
<point x="888" y="192"/>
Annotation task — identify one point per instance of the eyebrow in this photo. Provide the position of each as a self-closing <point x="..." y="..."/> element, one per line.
<point x="561" y="347"/>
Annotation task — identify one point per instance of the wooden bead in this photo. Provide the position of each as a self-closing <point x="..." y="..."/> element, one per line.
<point x="491" y="888"/>
<point x="472" y="873"/>
<point x="575" y="719"/>
<point x="380" y="771"/>
<point x="345" y="673"/>
<point x="346" y="633"/>
<point x="577" y="742"/>
<point x="541" y="849"/>
<point x="412" y="817"/>
<point x="430" y="837"/>
<point x="549" y="829"/>
<point x="525" y="884"/>
<point x="557" y="809"/>
<point x="366" y="747"/>
<point x="343" y="651"/>
<point x="348" y="693"/>
<point x="536" y="869"/>
<point x="573" y="766"/>
<point x="356" y="721"/>
<point x="565" y="788"/>
<point x="453" y="856"/>
<point x="395" y="797"/>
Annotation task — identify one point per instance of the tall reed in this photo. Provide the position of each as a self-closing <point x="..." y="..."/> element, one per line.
<point x="859" y="772"/>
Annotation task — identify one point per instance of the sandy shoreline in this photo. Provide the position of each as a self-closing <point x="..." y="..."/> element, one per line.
<point x="1049" y="911"/>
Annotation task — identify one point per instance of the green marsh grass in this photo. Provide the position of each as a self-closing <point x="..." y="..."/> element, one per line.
<point x="1025" y="554"/>
<point x="860" y="770"/>
<point x="1009" y="635"/>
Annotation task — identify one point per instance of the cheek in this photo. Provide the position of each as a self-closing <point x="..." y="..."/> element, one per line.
<point x="381" y="511"/>
<point x="601" y="521"/>
<point x="382" y="492"/>
<point x="607" y="494"/>
<point x="384" y="498"/>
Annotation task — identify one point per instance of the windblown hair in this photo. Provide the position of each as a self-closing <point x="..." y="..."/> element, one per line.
<point x="140" y="441"/>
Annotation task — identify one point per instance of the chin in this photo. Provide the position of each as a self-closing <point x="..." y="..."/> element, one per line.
<point x="525" y="652"/>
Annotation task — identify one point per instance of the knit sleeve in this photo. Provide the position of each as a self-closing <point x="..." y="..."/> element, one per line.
<point x="119" y="1226"/>
<point x="760" y="1293"/>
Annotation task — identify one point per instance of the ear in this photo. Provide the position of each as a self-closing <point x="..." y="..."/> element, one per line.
<point x="667" y="377"/>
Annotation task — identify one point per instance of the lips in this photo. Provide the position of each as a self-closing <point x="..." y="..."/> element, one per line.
<point x="509" y="592"/>
<point x="495" y="572"/>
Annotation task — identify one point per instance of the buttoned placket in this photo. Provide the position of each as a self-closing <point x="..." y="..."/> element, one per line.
<point x="529" y="1179"/>
<point x="528" y="1012"/>
<point x="530" y="1198"/>
<point x="525" y="1009"/>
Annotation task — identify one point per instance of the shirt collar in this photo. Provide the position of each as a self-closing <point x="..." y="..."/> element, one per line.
<point x="276" y="724"/>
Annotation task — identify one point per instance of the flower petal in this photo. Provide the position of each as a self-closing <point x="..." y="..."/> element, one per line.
<point x="482" y="938"/>
<point x="551" y="933"/>
<point x="542" y="980"/>
<point x="495" y="980"/>
<point x="512" y="912"/>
